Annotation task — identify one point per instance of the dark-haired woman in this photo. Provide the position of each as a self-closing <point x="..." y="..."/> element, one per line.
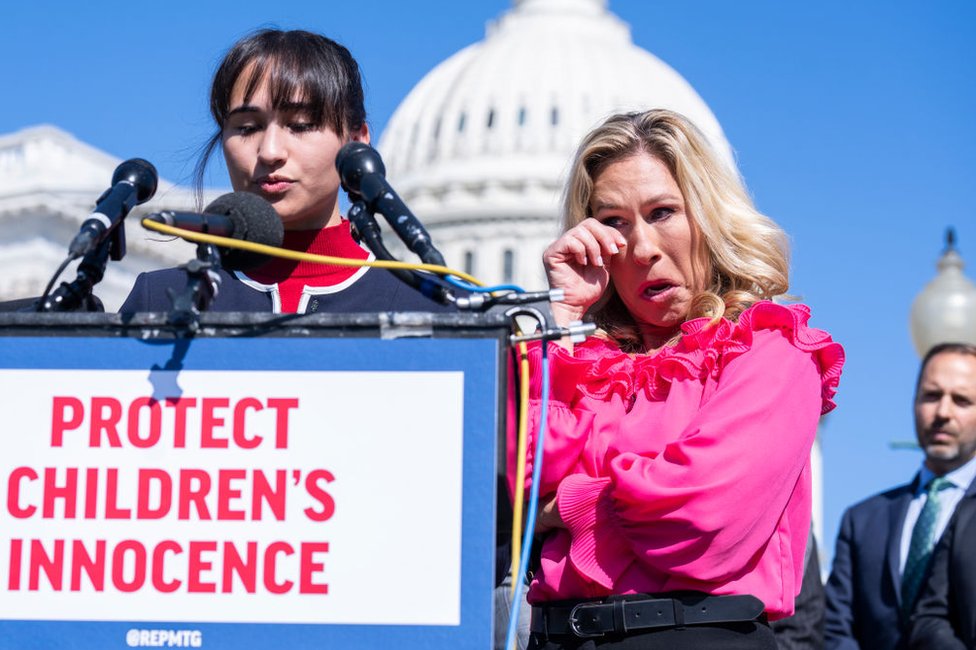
<point x="284" y="103"/>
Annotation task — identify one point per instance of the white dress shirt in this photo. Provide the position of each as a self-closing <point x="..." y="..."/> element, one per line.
<point x="950" y="497"/>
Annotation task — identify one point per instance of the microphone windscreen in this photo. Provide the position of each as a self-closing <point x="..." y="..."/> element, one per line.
<point x="141" y="174"/>
<point x="354" y="161"/>
<point x="255" y="220"/>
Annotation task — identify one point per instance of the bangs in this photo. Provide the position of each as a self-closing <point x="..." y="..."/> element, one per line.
<point x="293" y="85"/>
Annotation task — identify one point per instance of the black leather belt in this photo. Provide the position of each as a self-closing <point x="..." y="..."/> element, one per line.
<point x="619" y="615"/>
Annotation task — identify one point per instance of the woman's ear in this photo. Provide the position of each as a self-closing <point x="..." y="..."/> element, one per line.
<point x="361" y="134"/>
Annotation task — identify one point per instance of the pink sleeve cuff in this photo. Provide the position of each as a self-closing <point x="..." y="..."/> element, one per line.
<point x="597" y="551"/>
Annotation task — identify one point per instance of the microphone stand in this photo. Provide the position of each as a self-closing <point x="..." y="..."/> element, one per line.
<point x="413" y="234"/>
<point x="69" y="296"/>
<point x="202" y="285"/>
<point x="366" y="229"/>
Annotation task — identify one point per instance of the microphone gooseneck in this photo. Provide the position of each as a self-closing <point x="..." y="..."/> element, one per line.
<point x="133" y="183"/>
<point x="100" y="238"/>
<point x="365" y="228"/>
<point x="363" y="176"/>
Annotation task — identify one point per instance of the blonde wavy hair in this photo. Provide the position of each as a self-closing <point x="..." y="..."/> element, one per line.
<point x="743" y="254"/>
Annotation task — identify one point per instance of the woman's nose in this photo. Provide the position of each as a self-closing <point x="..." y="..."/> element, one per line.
<point x="272" y="146"/>
<point x="644" y="244"/>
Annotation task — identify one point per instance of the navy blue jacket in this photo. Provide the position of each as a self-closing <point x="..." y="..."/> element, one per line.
<point x="370" y="290"/>
<point x="945" y="618"/>
<point x="864" y="588"/>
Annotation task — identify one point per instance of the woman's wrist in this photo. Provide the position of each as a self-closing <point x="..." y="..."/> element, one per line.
<point x="566" y="314"/>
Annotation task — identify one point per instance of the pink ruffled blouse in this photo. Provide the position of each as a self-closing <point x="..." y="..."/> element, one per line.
<point x="688" y="469"/>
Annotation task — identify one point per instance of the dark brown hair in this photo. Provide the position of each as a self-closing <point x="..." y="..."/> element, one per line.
<point x="943" y="348"/>
<point x="296" y="63"/>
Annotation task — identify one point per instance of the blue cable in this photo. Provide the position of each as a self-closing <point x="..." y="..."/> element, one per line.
<point x="533" y="501"/>
<point x="461" y="284"/>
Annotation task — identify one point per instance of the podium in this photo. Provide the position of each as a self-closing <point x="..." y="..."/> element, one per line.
<point x="299" y="481"/>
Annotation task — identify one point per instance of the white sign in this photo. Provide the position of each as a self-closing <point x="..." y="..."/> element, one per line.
<point x="234" y="496"/>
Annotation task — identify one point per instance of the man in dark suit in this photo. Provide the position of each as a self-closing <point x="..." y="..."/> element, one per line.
<point x="881" y="555"/>
<point x="945" y="618"/>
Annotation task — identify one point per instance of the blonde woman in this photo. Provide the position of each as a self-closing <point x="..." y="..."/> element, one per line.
<point x="675" y="486"/>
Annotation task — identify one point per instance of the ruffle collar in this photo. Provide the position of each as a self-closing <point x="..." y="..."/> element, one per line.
<point x="599" y="369"/>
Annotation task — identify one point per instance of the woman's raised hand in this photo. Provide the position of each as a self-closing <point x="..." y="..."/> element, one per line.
<point x="577" y="264"/>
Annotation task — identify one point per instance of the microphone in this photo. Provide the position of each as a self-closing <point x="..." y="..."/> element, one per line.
<point x="134" y="182"/>
<point x="363" y="176"/>
<point x="239" y="215"/>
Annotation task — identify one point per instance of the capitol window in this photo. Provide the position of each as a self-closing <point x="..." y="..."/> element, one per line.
<point x="508" y="265"/>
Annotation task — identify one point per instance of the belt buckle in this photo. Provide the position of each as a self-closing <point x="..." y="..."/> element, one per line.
<point x="574" y="621"/>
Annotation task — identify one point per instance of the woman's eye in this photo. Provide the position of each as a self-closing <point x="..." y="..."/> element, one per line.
<point x="301" y="127"/>
<point x="660" y="214"/>
<point x="244" y="129"/>
<point x="613" y="222"/>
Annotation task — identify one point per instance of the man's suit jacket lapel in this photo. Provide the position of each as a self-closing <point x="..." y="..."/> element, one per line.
<point x="898" y="509"/>
<point x="971" y="492"/>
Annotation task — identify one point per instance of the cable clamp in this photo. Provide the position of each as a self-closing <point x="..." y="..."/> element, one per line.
<point x="578" y="330"/>
<point x="471" y="302"/>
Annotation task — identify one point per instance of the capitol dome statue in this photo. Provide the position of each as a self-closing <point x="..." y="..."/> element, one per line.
<point x="480" y="148"/>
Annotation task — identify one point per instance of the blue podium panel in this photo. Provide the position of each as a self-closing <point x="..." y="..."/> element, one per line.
<point x="247" y="493"/>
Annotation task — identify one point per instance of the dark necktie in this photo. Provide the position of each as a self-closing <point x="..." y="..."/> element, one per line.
<point x="920" y="548"/>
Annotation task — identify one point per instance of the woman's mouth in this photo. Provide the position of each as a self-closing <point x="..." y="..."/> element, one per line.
<point x="656" y="289"/>
<point x="274" y="185"/>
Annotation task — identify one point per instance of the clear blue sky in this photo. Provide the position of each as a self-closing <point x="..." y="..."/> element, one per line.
<point x="854" y="124"/>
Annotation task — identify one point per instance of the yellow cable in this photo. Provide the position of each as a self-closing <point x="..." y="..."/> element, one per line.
<point x="519" y="497"/>
<point x="229" y="242"/>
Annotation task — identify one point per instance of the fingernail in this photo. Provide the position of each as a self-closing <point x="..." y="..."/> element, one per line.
<point x="614" y="249"/>
<point x="599" y="261"/>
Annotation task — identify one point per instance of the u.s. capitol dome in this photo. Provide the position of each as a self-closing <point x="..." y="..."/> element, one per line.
<point x="480" y="147"/>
